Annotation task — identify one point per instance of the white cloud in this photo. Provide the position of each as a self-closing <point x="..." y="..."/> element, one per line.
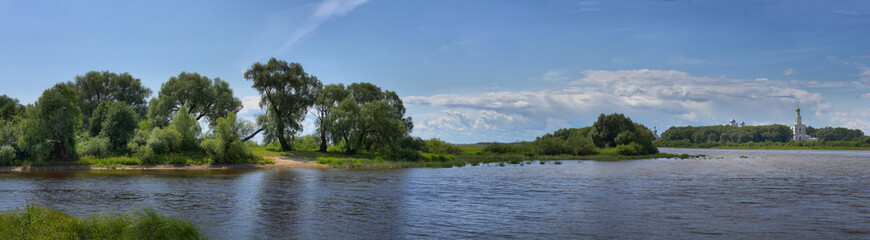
<point x="323" y="12"/>
<point x="857" y="119"/>
<point x="250" y="104"/>
<point x="866" y="96"/>
<point x="286" y="28"/>
<point x="788" y="72"/>
<point x="655" y="97"/>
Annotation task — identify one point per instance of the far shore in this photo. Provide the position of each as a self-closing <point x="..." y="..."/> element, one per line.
<point x="280" y="163"/>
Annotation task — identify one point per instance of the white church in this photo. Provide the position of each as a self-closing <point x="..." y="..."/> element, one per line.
<point x="799" y="129"/>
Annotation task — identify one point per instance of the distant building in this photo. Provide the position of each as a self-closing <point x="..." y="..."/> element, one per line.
<point x="799" y="129"/>
<point x="733" y="123"/>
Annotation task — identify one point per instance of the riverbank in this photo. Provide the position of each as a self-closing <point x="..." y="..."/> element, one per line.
<point x="274" y="162"/>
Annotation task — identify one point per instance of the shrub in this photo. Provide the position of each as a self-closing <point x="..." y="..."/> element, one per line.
<point x="630" y="149"/>
<point x="306" y="143"/>
<point x="406" y="154"/>
<point x="145" y="154"/>
<point x="119" y="125"/>
<point x="226" y="147"/>
<point x="581" y="145"/>
<point x="96" y="146"/>
<point x="497" y="148"/>
<point x="7" y="154"/>
<point x="164" y="140"/>
<point x="186" y="125"/>
<point x="435" y="145"/>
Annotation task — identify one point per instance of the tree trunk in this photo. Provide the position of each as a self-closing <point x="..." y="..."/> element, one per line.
<point x="322" y="141"/>
<point x="280" y="134"/>
<point x="347" y="148"/>
<point x="252" y="135"/>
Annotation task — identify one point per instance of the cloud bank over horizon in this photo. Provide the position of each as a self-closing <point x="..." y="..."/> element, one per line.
<point x="656" y="98"/>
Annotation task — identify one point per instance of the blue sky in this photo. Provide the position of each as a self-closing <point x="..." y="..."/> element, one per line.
<point x="479" y="70"/>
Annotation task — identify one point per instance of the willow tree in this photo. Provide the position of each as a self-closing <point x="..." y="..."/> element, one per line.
<point x="51" y="124"/>
<point x="286" y="94"/>
<point x="202" y="96"/>
<point x="328" y="98"/>
<point x="368" y="119"/>
<point x="94" y="87"/>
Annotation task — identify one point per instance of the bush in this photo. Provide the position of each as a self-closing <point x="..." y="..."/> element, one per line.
<point x="435" y="145"/>
<point x="96" y="146"/>
<point x="497" y="148"/>
<point x="187" y="126"/>
<point x="305" y="143"/>
<point x="145" y="154"/>
<point x="226" y="147"/>
<point x="7" y="154"/>
<point x="630" y="149"/>
<point x="119" y="125"/>
<point x="406" y="154"/>
<point x="164" y="140"/>
<point x="581" y="145"/>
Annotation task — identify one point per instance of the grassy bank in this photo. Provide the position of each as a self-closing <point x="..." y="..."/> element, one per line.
<point x="38" y="222"/>
<point x="471" y="155"/>
<point x="190" y="158"/>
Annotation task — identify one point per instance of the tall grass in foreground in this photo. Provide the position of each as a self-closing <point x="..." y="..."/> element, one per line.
<point x="39" y="222"/>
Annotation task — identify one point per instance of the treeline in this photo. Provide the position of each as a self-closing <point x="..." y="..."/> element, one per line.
<point x="769" y="136"/>
<point x="728" y="134"/>
<point x="613" y="130"/>
<point x="104" y="114"/>
<point x="835" y="134"/>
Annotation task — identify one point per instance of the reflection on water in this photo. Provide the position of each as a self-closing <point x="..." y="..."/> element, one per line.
<point x="731" y="194"/>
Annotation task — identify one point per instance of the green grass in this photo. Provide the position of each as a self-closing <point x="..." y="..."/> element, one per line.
<point x="471" y="149"/>
<point x="38" y="222"/>
<point x="107" y="162"/>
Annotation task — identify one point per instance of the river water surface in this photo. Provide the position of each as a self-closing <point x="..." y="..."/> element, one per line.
<point x="729" y="194"/>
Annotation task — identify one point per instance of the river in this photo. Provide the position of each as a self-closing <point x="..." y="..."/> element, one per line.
<point x="729" y="194"/>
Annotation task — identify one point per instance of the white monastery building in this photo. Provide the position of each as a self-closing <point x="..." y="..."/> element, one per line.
<point x="799" y="129"/>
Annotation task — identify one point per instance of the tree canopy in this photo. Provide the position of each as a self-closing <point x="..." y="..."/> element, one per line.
<point x="203" y="97"/>
<point x="9" y="108"/>
<point x="368" y="118"/>
<point x="729" y="134"/>
<point x="51" y="124"/>
<point x="94" y="87"/>
<point x="287" y="92"/>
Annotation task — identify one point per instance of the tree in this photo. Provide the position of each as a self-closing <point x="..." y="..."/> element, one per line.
<point x="202" y="96"/>
<point x="52" y="123"/>
<point x="287" y="92"/>
<point x="187" y="127"/>
<point x="95" y="87"/>
<point x="607" y="127"/>
<point x="9" y="108"/>
<point x="369" y="118"/>
<point x="226" y="147"/>
<point x="119" y="124"/>
<point x="328" y="98"/>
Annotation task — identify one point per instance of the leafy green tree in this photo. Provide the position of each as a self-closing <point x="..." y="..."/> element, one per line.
<point x="616" y="129"/>
<point x="54" y="119"/>
<point x="607" y="127"/>
<point x="370" y="119"/>
<point x="287" y="92"/>
<point x="119" y="125"/>
<point x="95" y="87"/>
<point x="435" y="145"/>
<point x="226" y="146"/>
<point x="188" y="127"/>
<point x="9" y="108"/>
<point x="202" y="96"/>
<point x="328" y="98"/>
